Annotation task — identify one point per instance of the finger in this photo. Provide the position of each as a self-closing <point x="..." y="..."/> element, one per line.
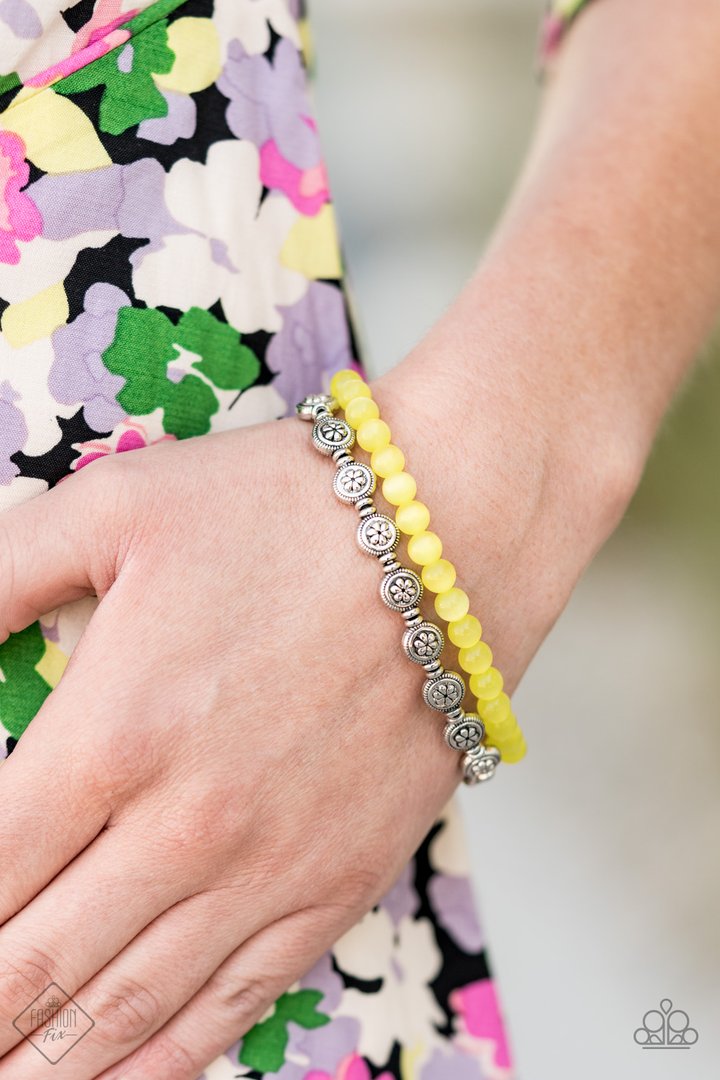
<point x="75" y="762"/>
<point x="242" y="989"/>
<point x="144" y="986"/>
<point x="52" y="804"/>
<point x="60" y="545"/>
<point x="84" y="918"/>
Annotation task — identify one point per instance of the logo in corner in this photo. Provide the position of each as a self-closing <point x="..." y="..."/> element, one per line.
<point x="666" y="1029"/>
<point x="53" y="1023"/>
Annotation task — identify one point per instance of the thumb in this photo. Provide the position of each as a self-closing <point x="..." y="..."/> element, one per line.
<point x="60" y="546"/>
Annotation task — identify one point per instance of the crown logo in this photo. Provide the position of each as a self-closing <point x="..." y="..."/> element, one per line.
<point x="666" y="1029"/>
<point x="53" y="1003"/>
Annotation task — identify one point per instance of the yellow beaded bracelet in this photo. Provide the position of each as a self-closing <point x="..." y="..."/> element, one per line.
<point x="424" y="548"/>
<point x="401" y="589"/>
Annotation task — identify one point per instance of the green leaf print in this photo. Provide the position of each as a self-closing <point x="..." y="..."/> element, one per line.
<point x="22" y="688"/>
<point x="263" y="1047"/>
<point x="9" y="82"/>
<point x="146" y="342"/>
<point x="224" y="361"/>
<point x="130" y="94"/>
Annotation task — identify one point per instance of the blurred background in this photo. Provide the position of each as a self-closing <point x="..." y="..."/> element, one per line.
<point x="596" y="861"/>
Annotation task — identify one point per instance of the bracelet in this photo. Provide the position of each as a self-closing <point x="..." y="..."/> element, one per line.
<point x="402" y="588"/>
<point x="438" y="575"/>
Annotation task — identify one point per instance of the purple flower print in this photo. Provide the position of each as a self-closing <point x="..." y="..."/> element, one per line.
<point x="441" y="1066"/>
<point x="13" y="432"/>
<point x="314" y="340"/>
<point x="22" y="19"/>
<point x="269" y="101"/>
<point x="402" y="900"/>
<point x="127" y="198"/>
<point x="78" y="375"/>
<point x="451" y="896"/>
<point x="179" y="123"/>
<point x="322" y="1049"/>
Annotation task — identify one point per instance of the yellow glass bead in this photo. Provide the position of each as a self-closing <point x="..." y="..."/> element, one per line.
<point x="510" y="741"/>
<point x="502" y="732"/>
<point x="465" y="631"/>
<point x="506" y="737"/>
<point x="388" y="461"/>
<point x="510" y="755"/>
<point x="452" y="604"/>
<point x="497" y="709"/>
<point x="339" y="378"/>
<point x="399" y="489"/>
<point x="413" y="517"/>
<point x="439" y="576"/>
<point x="476" y="659"/>
<point x="424" y="548"/>
<point x="487" y="686"/>
<point x="360" y="409"/>
<point x="351" y="389"/>
<point x="373" y="435"/>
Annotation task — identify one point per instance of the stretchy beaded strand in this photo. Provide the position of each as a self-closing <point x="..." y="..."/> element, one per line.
<point x="438" y="574"/>
<point x="401" y="589"/>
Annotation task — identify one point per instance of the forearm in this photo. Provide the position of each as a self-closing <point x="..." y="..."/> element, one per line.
<point x="555" y="364"/>
<point x="612" y="237"/>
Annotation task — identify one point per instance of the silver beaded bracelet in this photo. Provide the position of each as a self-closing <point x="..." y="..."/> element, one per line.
<point x="401" y="589"/>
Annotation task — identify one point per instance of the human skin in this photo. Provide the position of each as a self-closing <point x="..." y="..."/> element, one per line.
<point x="237" y="750"/>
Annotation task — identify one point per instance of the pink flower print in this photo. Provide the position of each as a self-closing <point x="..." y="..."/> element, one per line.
<point x="131" y="439"/>
<point x="307" y="189"/>
<point x="350" y="1068"/>
<point x="96" y="48"/>
<point x="20" y="218"/>
<point x="478" y="1010"/>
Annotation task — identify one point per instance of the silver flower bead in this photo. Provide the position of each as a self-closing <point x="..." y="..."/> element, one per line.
<point x="377" y="534"/>
<point x="444" y="692"/>
<point x="423" y="643"/>
<point x="401" y="589"/>
<point x="466" y="733"/>
<point x="480" y="764"/>
<point x="330" y="433"/>
<point x="353" y="482"/>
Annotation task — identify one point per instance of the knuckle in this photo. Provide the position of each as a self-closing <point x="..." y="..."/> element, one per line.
<point x="110" y="495"/>
<point x="118" y="764"/>
<point x="127" y="1013"/>
<point x="164" y="1059"/>
<point x="23" y="978"/>
<point x="360" y="885"/>
<point x="244" y="998"/>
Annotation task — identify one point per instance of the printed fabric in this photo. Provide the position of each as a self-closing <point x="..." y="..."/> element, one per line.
<point x="170" y="267"/>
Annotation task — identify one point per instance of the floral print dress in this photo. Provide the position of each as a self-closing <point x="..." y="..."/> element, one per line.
<point x="169" y="267"/>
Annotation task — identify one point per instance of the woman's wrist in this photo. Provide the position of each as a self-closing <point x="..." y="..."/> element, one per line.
<point x="525" y="476"/>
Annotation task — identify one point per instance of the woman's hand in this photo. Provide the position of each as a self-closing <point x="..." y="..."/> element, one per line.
<point x="236" y="763"/>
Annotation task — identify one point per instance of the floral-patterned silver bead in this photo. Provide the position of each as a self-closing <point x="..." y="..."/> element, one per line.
<point x="466" y="733"/>
<point x="444" y="692"/>
<point x="353" y="482"/>
<point x="480" y="764"/>
<point x="377" y="534"/>
<point x="308" y="408"/>
<point x="423" y="643"/>
<point x="330" y="433"/>
<point x="401" y="589"/>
